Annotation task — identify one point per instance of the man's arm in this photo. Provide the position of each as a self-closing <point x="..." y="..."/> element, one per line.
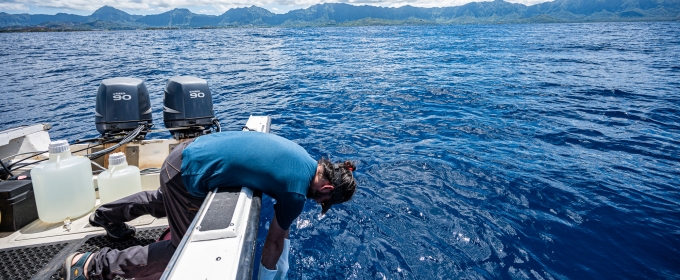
<point x="273" y="245"/>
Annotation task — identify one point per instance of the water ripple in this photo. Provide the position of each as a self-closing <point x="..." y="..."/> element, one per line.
<point x="546" y="151"/>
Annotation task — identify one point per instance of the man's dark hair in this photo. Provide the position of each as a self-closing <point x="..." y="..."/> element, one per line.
<point x="341" y="177"/>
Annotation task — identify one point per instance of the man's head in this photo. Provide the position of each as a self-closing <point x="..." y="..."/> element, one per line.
<point x="333" y="183"/>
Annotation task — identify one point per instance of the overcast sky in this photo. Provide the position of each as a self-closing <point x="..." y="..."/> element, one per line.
<point x="210" y="7"/>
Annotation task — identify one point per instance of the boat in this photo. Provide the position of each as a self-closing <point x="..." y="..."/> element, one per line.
<point x="216" y="246"/>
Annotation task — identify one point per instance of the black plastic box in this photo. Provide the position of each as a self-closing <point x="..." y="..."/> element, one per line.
<point x="17" y="205"/>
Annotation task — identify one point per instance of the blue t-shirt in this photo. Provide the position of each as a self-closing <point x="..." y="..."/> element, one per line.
<point x="272" y="164"/>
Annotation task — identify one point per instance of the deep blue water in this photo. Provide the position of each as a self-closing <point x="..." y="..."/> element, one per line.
<point x="542" y="151"/>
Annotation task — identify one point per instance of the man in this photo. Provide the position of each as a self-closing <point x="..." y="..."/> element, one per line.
<point x="276" y="166"/>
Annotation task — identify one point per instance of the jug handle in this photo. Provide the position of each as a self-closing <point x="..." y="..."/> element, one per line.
<point x="58" y="158"/>
<point x="111" y="170"/>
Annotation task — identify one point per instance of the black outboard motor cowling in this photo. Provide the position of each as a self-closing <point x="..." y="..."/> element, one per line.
<point x="122" y="105"/>
<point x="188" y="109"/>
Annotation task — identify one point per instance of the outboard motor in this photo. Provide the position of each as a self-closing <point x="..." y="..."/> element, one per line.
<point x="123" y="106"/>
<point x="188" y="109"/>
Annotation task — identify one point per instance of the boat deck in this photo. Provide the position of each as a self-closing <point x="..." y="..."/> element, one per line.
<point x="37" y="250"/>
<point x="43" y="261"/>
<point x="39" y="232"/>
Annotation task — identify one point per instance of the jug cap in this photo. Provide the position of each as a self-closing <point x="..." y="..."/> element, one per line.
<point x="58" y="146"/>
<point x="117" y="158"/>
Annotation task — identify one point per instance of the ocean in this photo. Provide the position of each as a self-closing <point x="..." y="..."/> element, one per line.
<point x="527" y="151"/>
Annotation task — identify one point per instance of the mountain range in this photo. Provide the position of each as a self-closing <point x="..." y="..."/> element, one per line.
<point x="497" y="11"/>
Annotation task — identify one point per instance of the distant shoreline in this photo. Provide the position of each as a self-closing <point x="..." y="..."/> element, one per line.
<point x="339" y="14"/>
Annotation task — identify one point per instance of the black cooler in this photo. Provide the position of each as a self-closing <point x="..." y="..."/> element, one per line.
<point x="17" y="205"/>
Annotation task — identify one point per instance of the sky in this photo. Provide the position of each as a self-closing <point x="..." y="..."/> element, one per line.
<point x="207" y="7"/>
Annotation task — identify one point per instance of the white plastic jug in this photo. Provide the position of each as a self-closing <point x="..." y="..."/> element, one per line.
<point x="63" y="185"/>
<point x="119" y="181"/>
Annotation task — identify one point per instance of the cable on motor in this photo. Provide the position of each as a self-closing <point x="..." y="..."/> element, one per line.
<point x="131" y="136"/>
<point x="14" y="166"/>
<point x="216" y="123"/>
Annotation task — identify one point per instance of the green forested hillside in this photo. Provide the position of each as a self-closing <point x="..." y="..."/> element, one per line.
<point x="497" y="11"/>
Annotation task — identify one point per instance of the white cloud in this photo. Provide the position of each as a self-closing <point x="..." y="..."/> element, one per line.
<point x="13" y="7"/>
<point x="216" y="6"/>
